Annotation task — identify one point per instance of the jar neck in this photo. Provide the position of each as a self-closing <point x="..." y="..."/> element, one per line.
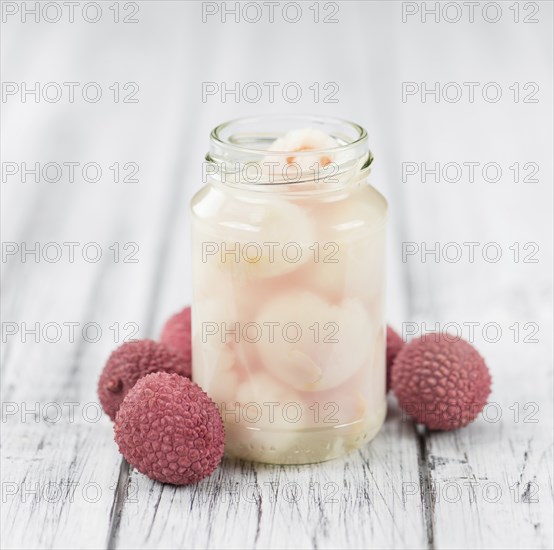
<point x="242" y="154"/>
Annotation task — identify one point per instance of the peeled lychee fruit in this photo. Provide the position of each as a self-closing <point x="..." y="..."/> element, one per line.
<point x="305" y="139"/>
<point x="307" y="154"/>
<point x="130" y="362"/>
<point x="169" y="429"/>
<point x="298" y="358"/>
<point x="394" y="345"/>
<point x="176" y="335"/>
<point x="441" y="382"/>
<point x="266" y="252"/>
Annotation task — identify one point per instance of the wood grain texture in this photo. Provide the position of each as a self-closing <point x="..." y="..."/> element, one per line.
<point x="58" y="484"/>
<point x="408" y="488"/>
<point x="352" y="502"/>
<point x="491" y="483"/>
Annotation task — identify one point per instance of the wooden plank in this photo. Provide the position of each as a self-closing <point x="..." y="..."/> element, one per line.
<point x="355" y="502"/>
<point x="48" y="375"/>
<point x="58" y="483"/>
<point x="489" y="485"/>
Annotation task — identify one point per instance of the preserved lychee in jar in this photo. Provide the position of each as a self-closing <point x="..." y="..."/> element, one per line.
<point x="288" y="326"/>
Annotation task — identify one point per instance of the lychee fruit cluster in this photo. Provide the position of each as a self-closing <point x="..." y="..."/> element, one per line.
<point x="169" y="429"/>
<point x="165" y="425"/>
<point x="440" y="381"/>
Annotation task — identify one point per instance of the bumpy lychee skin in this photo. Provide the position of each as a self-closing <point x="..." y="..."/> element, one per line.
<point x="394" y="345"/>
<point x="130" y="362"/>
<point x="441" y="382"/>
<point x="176" y="335"/>
<point x="170" y="430"/>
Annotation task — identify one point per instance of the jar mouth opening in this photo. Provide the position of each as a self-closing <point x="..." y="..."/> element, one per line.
<point x="240" y="134"/>
<point x="244" y="151"/>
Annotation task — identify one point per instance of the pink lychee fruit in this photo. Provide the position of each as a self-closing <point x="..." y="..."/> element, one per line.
<point x="130" y="362"/>
<point x="176" y="334"/>
<point x="170" y="430"/>
<point x="440" y="381"/>
<point x="394" y="345"/>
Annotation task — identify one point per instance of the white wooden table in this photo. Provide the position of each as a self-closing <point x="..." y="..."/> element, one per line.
<point x="64" y="485"/>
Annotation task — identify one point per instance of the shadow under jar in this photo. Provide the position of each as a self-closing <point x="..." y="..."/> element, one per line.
<point x="288" y="327"/>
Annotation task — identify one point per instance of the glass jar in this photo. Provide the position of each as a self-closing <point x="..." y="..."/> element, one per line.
<point x="288" y="327"/>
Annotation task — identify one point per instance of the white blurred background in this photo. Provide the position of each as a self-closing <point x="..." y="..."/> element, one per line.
<point x="367" y="61"/>
<point x="361" y="61"/>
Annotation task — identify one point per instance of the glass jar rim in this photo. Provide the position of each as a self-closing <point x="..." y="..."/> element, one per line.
<point x="315" y="120"/>
<point x="241" y="152"/>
